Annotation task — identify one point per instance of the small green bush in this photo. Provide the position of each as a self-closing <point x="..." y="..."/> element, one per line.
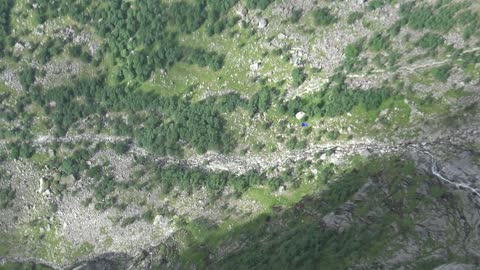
<point x="298" y="76"/>
<point x="6" y="197"/>
<point x="378" y="42"/>
<point x="27" y="77"/>
<point x="127" y="221"/>
<point x="354" y="16"/>
<point x="296" y="15"/>
<point x="323" y="17"/>
<point x="441" y="73"/>
<point x="374" y="4"/>
<point x="430" y="41"/>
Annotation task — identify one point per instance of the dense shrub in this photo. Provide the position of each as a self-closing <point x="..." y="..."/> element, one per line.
<point x="430" y="41"/>
<point x="439" y="17"/>
<point x="27" y="77"/>
<point x="133" y="30"/>
<point x="378" y="42"/>
<point x="354" y="16"/>
<point x="260" y="4"/>
<point x="5" y="7"/>
<point x="6" y="197"/>
<point x="374" y="4"/>
<point x="298" y="76"/>
<point x="441" y="73"/>
<point x="296" y="15"/>
<point x="323" y="17"/>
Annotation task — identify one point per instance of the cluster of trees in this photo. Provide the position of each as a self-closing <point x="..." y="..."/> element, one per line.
<point x="5" y="7"/>
<point x="430" y="41"/>
<point x="204" y="58"/>
<point x="191" y="179"/>
<point x="20" y="149"/>
<point x="143" y="35"/>
<point x="172" y="122"/>
<point x="439" y="17"/>
<point x="337" y="100"/>
<point x="262" y="100"/>
<point x="78" y="52"/>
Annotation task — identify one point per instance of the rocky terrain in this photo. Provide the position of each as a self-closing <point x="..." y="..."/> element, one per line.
<point x="282" y="134"/>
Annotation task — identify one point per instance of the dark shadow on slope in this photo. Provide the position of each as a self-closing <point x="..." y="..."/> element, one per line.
<point x="376" y="216"/>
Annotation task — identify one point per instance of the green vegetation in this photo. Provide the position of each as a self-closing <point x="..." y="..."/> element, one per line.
<point x="5" y="7"/>
<point x="27" y="77"/>
<point x="298" y="76"/>
<point x="375" y="4"/>
<point x="296" y="15"/>
<point x="133" y="30"/>
<point x="323" y="17"/>
<point x="337" y="100"/>
<point x="439" y="17"/>
<point x="6" y="197"/>
<point x="198" y="124"/>
<point x="303" y="243"/>
<point x="441" y="73"/>
<point x="430" y="41"/>
<point x="378" y="42"/>
<point x="260" y="4"/>
<point x="354" y="16"/>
